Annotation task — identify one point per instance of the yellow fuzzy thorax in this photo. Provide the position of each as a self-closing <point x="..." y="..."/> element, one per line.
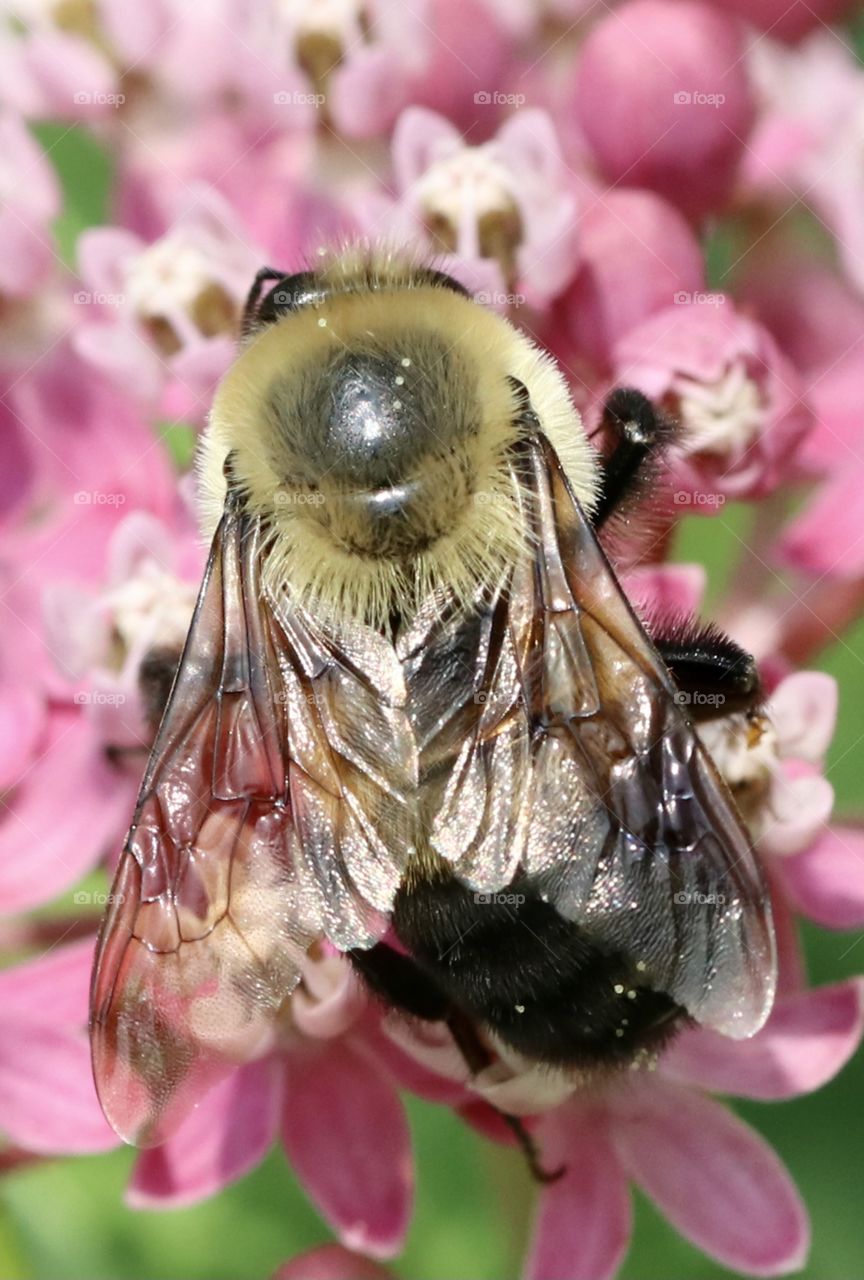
<point x="459" y="358"/>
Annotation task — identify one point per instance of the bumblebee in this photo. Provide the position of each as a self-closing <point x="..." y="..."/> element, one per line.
<point x="416" y="715"/>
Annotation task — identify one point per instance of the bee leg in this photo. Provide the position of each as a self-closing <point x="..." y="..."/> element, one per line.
<point x="714" y="675"/>
<point x="250" y="307"/>
<point x="399" y="980"/>
<point x="640" y="433"/>
<point x="476" y="1058"/>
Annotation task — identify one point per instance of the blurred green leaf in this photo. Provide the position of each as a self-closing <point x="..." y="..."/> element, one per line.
<point x="85" y="170"/>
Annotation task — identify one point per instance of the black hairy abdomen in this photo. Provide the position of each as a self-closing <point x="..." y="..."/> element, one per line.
<point x="511" y="962"/>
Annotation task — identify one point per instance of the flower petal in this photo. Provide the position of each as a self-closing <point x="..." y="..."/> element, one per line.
<point x="803" y="710"/>
<point x="826" y="882"/>
<point x="330" y="1262"/>
<point x="61" y="817"/>
<point x="56" y="986"/>
<point x="716" y="1180"/>
<point x="228" y="1134"/>
<point x="47" y="1099"/>
<point x="347" y="1137"/>
<point x="808" y="1038"/>
<point x="584" y="1220"/>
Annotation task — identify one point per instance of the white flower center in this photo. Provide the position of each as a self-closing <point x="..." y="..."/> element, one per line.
<point x="464" y="190"/>
<point x="152" y="609"/>
<point x="723" y="416"/>
<point x="177" y="295"/>
<point x="746" y="753"/>
<point x="338" y="19"/>
<point x="168" y="277"/>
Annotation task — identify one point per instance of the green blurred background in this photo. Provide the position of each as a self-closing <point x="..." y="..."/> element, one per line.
<point x="65" y="1220"/>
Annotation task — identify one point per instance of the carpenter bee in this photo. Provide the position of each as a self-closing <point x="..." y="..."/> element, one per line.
<point x="416" y="715"/>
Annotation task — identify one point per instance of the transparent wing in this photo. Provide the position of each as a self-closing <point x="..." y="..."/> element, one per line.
<point x="580" y="760"/>
<point x="257" y="830"/>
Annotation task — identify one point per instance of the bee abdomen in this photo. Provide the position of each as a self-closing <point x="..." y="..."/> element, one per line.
<point x="512" y="963"/>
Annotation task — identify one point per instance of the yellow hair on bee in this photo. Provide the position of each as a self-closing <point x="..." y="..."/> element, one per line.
<point x="374" y="431"/>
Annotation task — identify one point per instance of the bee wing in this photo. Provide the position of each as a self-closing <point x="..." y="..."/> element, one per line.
<point x="244" y="849"/>
<point x="583" y="761"/>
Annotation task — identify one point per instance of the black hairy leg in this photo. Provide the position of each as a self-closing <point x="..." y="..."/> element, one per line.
<point x="266" y="275"/>
<point x="714" y="675"/>
<point x="400" y="982"/>
<point x="640" y="433"/>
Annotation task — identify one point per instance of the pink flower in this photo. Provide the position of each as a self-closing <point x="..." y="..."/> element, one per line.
<point x="714" y="1178"/>
<point x="784" y="20"/>
<point x="29" y="202"/>
<point x="166" y="314"/>
<point x="103" y="593"/>
<point x="777" y="776"/>
<point x="82" y="452"/>
<point x="504" y="210"/>
<point x="330" y="1262"/>
<point x="636" y="254"/>
<point x="827" y="539"/>
<point x="47" y="1100"/>
<point x="739" y="401"/>
<point x="810" y="139"/>
<point x="48" y="71"/>
<point x="664" y="101"/>
<point x="326" y="1095"/>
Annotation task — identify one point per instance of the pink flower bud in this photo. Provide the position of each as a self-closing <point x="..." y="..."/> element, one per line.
<point x="786" y="19"/>
<point x="664" y="100"/>
<point x="637" y="254"/>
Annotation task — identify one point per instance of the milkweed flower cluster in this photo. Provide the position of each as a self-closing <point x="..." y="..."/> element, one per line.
<point x="619" y="180"/>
